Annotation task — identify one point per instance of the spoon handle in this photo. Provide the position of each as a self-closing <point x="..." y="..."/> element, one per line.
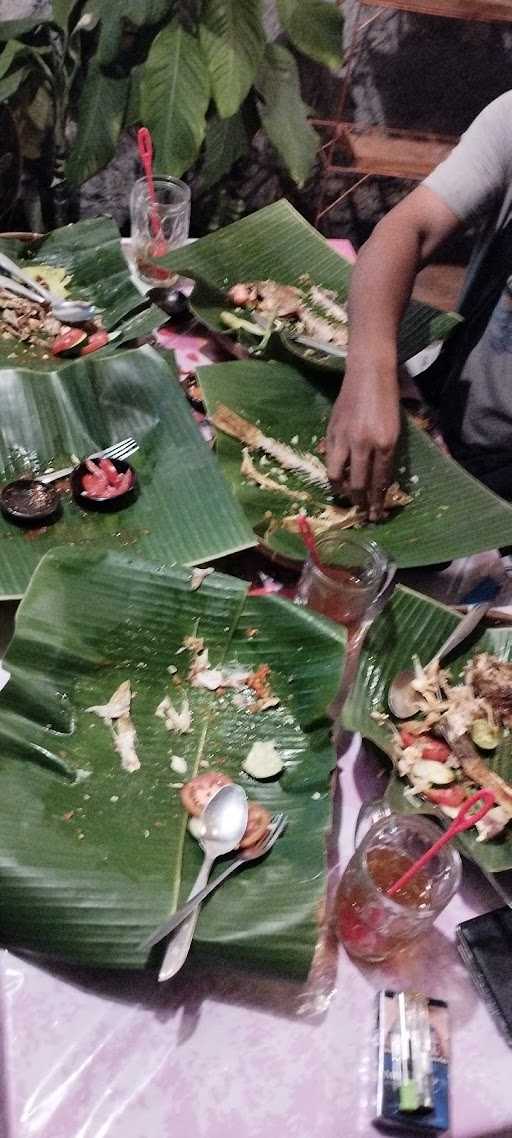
<point x="466" y="625"/>
<point x="25" y="278"/>
<point x="179" y="946"/>
<point x="10" y="285"/>
<point x="193" y="903"/>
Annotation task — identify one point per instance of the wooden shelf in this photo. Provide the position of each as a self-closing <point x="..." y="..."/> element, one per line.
<point x="364" y="149"/>
<point x="485" y="11"/>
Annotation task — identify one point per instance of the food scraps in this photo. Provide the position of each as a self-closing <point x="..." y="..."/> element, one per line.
<point x="116" y="715"/>
<point x="179" y="721"/>
<point x="263" y="761"/>
<point x="32" y="324"/>
<point x="304" y="309"/>
<point x="444" y="753"/>
<point x="312" y="498"/>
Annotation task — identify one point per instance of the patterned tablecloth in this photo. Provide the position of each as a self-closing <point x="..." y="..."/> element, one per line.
<point x="219" y="1054"/>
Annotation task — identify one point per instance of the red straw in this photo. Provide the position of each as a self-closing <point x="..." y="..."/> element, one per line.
<point x="309" y="539"/>
<point x="460" y="823"/>
<point x="145" y="146"/>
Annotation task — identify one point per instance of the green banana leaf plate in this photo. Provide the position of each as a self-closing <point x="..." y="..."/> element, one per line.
<point x="93" y="858"/>
<point x="277" y="243"/>
<point x="185" y="510"/>
<point x="451" y="514"/>
<point x="412" y="625"/>
<point x="90" y="252"/>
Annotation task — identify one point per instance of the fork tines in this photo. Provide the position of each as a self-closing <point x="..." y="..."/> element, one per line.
<point x="119" y="450"/>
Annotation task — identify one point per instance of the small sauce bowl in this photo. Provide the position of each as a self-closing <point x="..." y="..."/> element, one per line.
<point x="28" y="502"/>
<point x="104" y="505"/>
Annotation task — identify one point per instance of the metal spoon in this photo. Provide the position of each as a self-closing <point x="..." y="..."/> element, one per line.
<point x="403" y="701"/>
<point x="67" y="311"/>
<point x="224" y="822"/>
<point x="245" y="857"/>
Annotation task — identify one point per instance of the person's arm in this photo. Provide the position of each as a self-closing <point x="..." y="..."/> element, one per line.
<point x="469" y="185"/>
<point x="365" y="423"/>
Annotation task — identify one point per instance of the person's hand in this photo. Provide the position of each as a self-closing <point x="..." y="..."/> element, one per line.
<point x="363" y="432"/>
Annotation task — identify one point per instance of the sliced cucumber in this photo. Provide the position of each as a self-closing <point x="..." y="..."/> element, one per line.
<point x="263" y="761"/>
<point x="438" y="774"/>
<point x="485" y="736"/>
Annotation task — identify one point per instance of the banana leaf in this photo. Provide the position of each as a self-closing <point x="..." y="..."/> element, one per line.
<point x="451" y="514"/>
<point x="412" y="625"/>
<point x="91" y="253"/>
<point x="185" y="512"/>
<point x="93" y="858"/>
<point x="276" y="242"/>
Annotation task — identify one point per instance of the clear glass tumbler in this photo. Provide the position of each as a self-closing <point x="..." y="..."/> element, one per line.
<point x="158" y="226"/>
<point x="350" y="576"/>
<point x="373" y="926"/>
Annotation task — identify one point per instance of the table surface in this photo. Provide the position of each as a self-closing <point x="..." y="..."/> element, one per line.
<point x="221" y="1053"/>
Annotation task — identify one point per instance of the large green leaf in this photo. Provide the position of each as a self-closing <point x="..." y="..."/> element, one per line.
<point x="277" y="242"/>
<point x="10" y="83"/>
<point x="283" y="113"/>
<point x="92" y="858"/>
<point x="101" y="115"/>
<point x="9" y="53"/>
<point x="225" y="142"/>
<point x="132" y="115"/>
<point x="451" y="514"/>
<point x="147" y="11"/>
<point x="175" y="95"/>
<point x="315" y="27"/>
<point x="61" y="12"/>
<point x="184" y="512"/>
<point x="412" y="625"/>
<point x="11" y="29"/>
<point x="91" y="253"/>
<point x="232" y="39"/>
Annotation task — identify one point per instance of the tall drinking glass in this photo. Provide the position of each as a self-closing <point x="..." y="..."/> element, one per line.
<point x="373" y="926"/>
<point x="350" y="575"/>
<point x="350" y="585"/>
<point x="158" y="226"/>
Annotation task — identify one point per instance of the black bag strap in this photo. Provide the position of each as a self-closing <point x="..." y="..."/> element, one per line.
<point x="476" y="309"/>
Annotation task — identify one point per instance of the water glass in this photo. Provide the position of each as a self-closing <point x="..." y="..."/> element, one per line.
<point x="158" y="226"/>
<point x="350" y="576"/>
<point x="373" y="926"/>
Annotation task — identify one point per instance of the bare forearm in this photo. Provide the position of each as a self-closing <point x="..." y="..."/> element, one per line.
<point x="365" y="422"/>
<point x="386" y="268"/>
<point x="382" y="283"/>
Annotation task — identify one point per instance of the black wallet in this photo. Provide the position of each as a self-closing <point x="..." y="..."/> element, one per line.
<point x="485" y="944"/>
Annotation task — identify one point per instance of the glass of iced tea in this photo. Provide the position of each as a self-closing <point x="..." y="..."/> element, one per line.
<point x="373" y="926"/>
<point x="350" y="576"/>
<point x="158" y="226"/>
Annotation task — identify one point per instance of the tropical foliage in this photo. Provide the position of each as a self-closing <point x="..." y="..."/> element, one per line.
<point x="201" y="74"/>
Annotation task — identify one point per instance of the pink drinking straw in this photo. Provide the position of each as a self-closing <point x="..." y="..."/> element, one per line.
<point x="308" y="537"/>
<point x="145" y="146"/>
<point x="463" y="821"/>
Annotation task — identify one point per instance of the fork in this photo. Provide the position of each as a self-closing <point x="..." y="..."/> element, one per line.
<point x="120" y="450"/>
<point x="276" y="827"/>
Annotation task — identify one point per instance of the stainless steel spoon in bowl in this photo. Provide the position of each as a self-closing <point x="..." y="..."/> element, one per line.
<point x="224" y="822"/>
<point x="68" y="311"/>
<point x="403" y="701"/>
